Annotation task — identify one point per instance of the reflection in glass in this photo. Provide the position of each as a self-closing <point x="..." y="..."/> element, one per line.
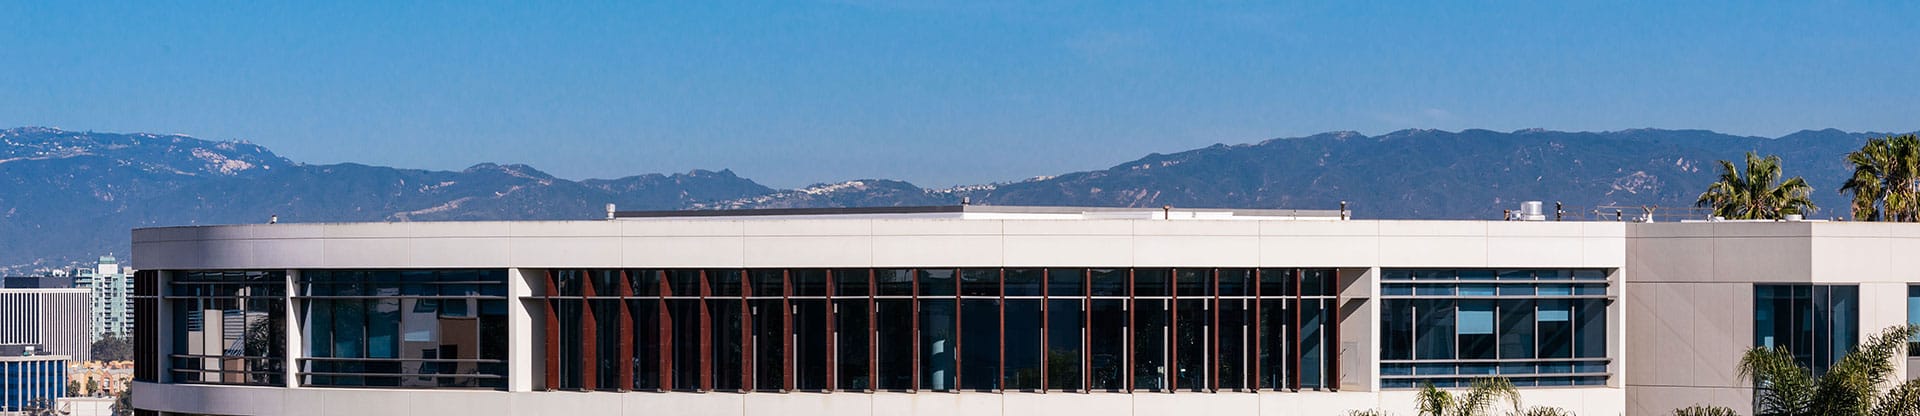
<point x="895" y="321"/>
<point x="980" y="352"/>
<point x="227" y="327"/>
<point x="1192" y="337"/>
<point x="769" y="349"/>
<point x="1236" y="319"/>
<point x="1107" y="352"/>
<point x="810" y="344"/>
<point x="1023" y="345"/>
<point x="850" y="326"/>
<point x="727" y="343"/>
<point x="1150" y="317"/>
<point x="937" y="343"/>
<point x="1064" y="329"/>
<point x="436" y="336"/>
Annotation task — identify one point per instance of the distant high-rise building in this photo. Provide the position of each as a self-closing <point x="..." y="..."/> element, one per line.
<point x="111" y="304"/>
<point x="45" y="321"/>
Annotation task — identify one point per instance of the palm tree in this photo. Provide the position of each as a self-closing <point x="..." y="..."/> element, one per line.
<point x="1479" y="398"/>
<point x="1851" y="387"/>
<point x="1758" y="192"/>
<point x="123" y="402"/>
<point x="1886" y="179"/>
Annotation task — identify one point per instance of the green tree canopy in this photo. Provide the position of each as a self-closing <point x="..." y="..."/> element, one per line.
<point x="1886" y="179"/>
<point x="1757" y="192"/>
<point x="1850" y="388"/>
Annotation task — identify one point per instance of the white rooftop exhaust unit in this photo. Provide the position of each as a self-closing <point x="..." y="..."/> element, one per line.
<point x="1532" y="211"/>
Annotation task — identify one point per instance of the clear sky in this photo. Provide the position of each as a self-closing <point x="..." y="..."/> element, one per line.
<point x="940" y="93"/>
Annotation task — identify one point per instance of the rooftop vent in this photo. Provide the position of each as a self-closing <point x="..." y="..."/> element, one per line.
<point x="1532" y="211"/>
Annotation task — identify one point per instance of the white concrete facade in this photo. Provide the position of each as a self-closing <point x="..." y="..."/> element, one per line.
<point x="1690" y="300"/>
<point x="1359" y="248"/>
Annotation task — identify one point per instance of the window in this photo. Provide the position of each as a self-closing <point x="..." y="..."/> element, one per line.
<point x="428" y="328"/>
<point x="853" y="338"/>
<point x="228" y="327"/>
<point x="1913" y="318"/>
<point x="1816" y="323"/>
<point x="1532" y="326"/>
<point x="932" y="329"/>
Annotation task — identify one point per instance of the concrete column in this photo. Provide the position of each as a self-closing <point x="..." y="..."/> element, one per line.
<point x="296" y="321"/>
<point x="1359" y="329"/>
<point x="164" y="327"/>
<point x="523" y="363"/>
<point x="1617" y="328"/>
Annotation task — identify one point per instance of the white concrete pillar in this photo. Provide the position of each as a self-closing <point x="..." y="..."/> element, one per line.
<point x="523" y="357"/>
<point x="296" y="321"/>
<point x="1617" y="328"/>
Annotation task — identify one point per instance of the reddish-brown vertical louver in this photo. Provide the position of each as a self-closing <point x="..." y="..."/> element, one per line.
<point x="706" y="336"/>
<point x="552" y="343"/>
<point x="833" y="337"/>
<point x="1086" y="331"/>
<point x="746" y="333"/>
<point x="666" y="331"/>
<point x="786" y="330"/>
<point x="625" y="340"/>
<point x="590" y="333"/>
<point x="1000" y="377"/>
<point x="1298" y="304"/>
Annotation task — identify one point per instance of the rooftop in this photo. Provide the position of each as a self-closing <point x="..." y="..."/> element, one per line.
<point x="997" y="212"/>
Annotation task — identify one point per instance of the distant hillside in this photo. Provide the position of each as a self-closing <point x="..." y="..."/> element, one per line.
<point x="66" y="196"/>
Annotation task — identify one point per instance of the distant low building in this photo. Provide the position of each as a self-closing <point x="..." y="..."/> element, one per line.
<point x="24" y="379"/>
<point x="61" y="281"/>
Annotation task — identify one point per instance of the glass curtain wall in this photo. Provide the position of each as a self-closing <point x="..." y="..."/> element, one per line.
<point x="229" y="327"/>
<point x="1536" y="327"/>
<point x="941" y="329"/>
<point x="420" y="328"/>
<point x="1816" y="323"/>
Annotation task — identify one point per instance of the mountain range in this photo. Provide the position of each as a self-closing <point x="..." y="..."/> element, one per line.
<point x="69" y="196"/>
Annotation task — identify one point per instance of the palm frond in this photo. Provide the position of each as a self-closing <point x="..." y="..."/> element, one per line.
<point x="1781" y="386"/>
<point x="1902" y="400"/>
<point x="1486" y="393"/>
<point x="1543" y="411"/>
<point x="1434" y="401"/>
<point x="1700" y="410"/>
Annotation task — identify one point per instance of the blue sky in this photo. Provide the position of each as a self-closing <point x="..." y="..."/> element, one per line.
<point x="937" y="93"/>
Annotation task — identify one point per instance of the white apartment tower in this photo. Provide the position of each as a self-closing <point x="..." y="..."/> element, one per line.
<point x="110" y="306"/>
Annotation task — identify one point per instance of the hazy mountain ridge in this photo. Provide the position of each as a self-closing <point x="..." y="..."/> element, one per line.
<point x="66" y="196"/>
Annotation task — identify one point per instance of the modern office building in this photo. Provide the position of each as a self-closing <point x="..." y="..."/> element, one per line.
<point x="112" y="299"/>
<point x="32" y="380"/>
<point x="978" y="310"/>
<point x="44" y="321"/>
